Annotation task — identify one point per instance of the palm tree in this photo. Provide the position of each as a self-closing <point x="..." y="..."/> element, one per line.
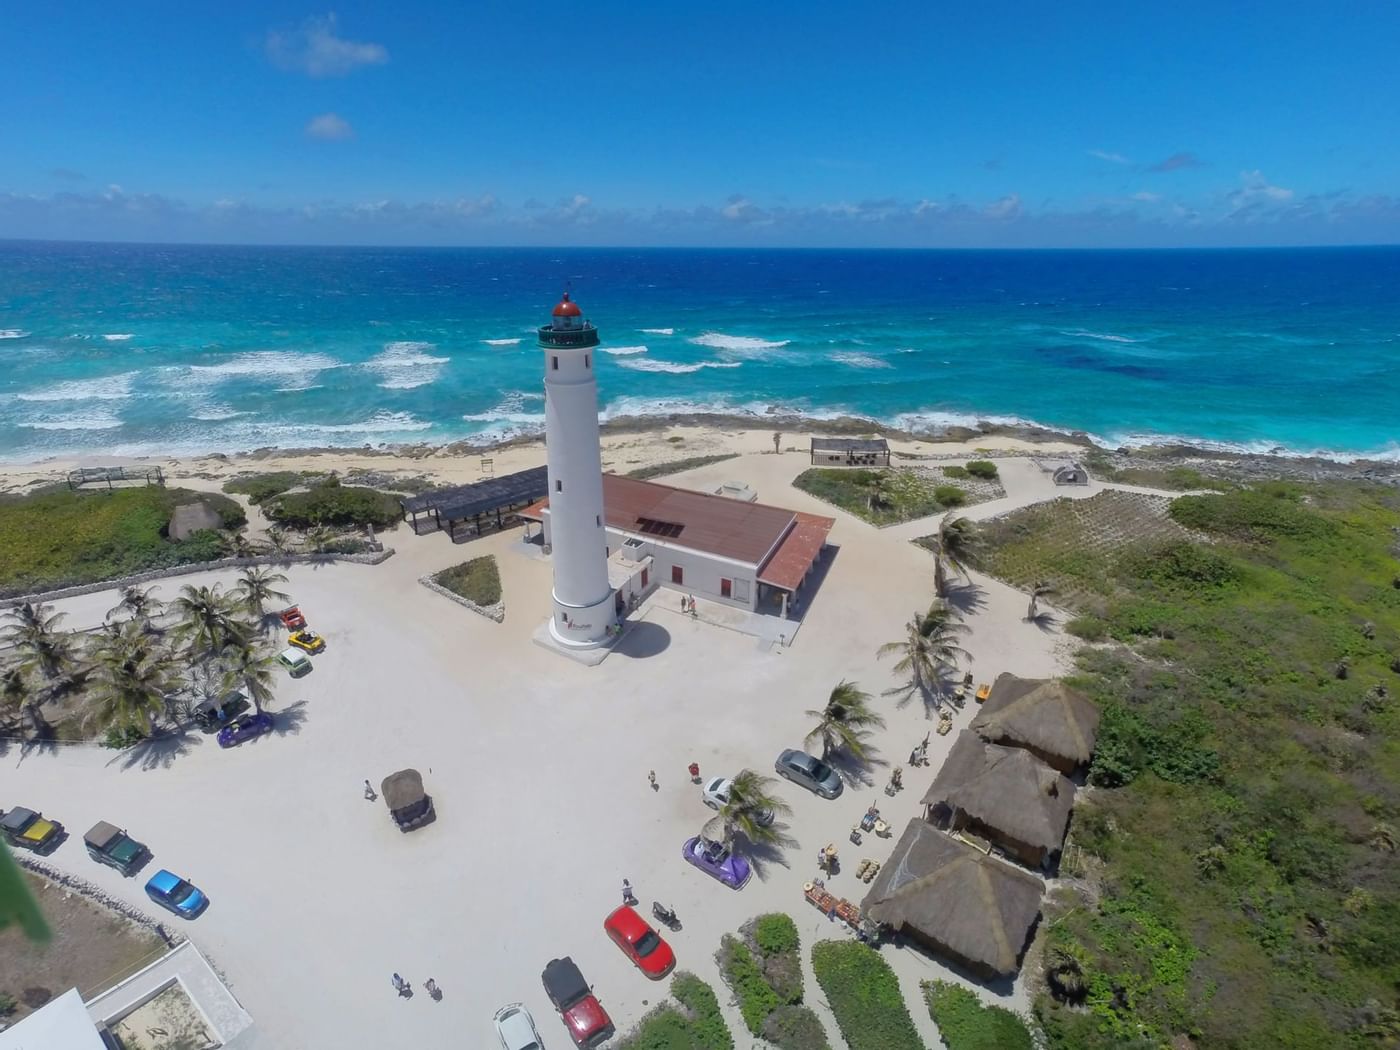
<point x="208" y="620"/>
<point x="954" y="546"/>
<point x="1038" y="590"/>
<point x="136" y="604"/>
<point x="277" y="541"/>
<point x="131" y="680"/>
<point x="246" y="663"/>
<point x="749" y="812"/>
<point x="879" y="490"/>
<point x="15" y="694"/>
<point x="35" y="634"/>
<point x="256" y="588"/>
<point x="928" y="648"/>
<point x="319" y="538"/>
<point x="845" y="723"/>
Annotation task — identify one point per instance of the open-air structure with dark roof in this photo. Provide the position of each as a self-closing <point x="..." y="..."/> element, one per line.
<point x="850" y="452"/>
<point x="1005" y="795"/>
<point x="975" y="910"/>
<point x="1042" y="715"/>
<point x="467" y="510"/>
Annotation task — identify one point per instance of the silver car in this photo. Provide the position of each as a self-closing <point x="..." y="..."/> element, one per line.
<point x="812" y="773"/>
<point x="516" y="1028"/>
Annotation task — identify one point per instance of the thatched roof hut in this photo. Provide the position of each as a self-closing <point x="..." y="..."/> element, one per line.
<point x="976" y="910"/>
<point x="1004" y="793"/>
<point x="1044" y="716"/>
<point x="408" y="803"/>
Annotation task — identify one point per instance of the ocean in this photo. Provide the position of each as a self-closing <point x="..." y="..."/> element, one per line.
<point x="167" y="350"/>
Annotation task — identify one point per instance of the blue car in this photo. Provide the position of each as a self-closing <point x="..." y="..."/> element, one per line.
<point x="170" y="891"/>
<point x="245" y="728"/>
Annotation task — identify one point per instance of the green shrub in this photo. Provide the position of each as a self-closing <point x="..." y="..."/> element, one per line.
<point x="964" y="1023"/>
<point x="119" y="737"/>
<point x="982" y="468"/>
<point x="1257" y="515"/>
<point x="1089" y="628"/>
<point x="776" y="933"/>
<point x="8" y="1004"/>
<point x="957" y="472"/>
<point x="756" y="999"/>
<point x="331" y="503"/>
<point x="795" y="1028"/>
<point x="1180" y="563"/>
<point x="864" y="995"/>
<point x="949" y="495"/>
<point x="658" y="470"/>
<point x="261" y="487"/>
<point x="477" y="580"/>
<point x="706" y="1022"/>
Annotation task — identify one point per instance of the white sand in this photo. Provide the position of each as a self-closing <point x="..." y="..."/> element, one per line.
<point x="538" y="767"/>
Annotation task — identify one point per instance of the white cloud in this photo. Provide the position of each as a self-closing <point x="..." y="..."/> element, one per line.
<point x="329" y="126"/>
<point x="1256" y="186"/>
<point x="742" y="210"/>
<point x="1146" y="197"/>
<point x="1008" y="207"/>
<point x="1112" y="158"/>
<point x="314" y="48"/>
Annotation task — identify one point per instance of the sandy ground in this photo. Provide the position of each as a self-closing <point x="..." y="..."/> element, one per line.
<point x="538" y="767"/>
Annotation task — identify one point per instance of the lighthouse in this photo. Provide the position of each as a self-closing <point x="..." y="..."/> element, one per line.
<point x="583" y="598"/>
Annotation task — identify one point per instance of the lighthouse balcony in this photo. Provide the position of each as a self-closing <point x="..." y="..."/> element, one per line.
<point x="569" y="338"/>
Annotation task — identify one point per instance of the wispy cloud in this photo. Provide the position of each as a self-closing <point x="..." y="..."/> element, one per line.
<point x="314" y="48"/>
<point x="1112" y="158"/>
<point x="740" y="209"/>
<point x="1008" y="207"/>
<point x="1257" y="199"/>
<point x="66" y="175"/>
<point x="330" y="127"/>
<point x="1176" y="162"/>
<point x="1146" y="197"/>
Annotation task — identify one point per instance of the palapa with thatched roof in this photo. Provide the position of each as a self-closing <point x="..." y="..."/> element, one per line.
<point x="1004" y="794"/>
<point x="409" y="805"/>
<point x="1044" y="716"/>
<point x="976" y="910"/>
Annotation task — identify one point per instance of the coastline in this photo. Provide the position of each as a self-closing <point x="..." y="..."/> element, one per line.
<point x="631" y="442"/>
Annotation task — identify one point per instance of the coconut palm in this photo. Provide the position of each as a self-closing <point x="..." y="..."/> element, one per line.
<point x="928" y="649"/>
<point x="319" y="538"/>
<point x="138" y="604"/>
<point x="131" y="680"/>
<point x="35" y="634"/>
<point x="954" y="546"/>
<point x="846" y="722"/>
<point x="749" y="812"/>
<point x="879" y="490"/>
<point x="1038" y="590"/>
<point x="277" y="541"/>
<point x="256" y="587"/>
<point x="249" y="665"/>
<point x="208" y="620"/>
<point x="16" y="695"/>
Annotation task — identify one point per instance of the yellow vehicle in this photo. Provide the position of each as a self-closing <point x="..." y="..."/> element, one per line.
<point x="29" y="830"/>
<point x="983" y="691"/>
<point x="306" y="640"/>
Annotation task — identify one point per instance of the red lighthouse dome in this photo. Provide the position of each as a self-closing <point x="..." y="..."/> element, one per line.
<point x="567" y="308"/>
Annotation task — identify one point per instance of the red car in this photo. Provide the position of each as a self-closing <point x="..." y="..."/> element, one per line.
<point x="588" y="1023"/>
<point x="292" y="619"/>
<point x="640" y="942"/>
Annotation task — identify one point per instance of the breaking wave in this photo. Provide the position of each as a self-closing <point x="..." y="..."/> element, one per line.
<point x="404" y="365"/>
<point x="98" y="420"/>
<point x="104" y="388"/>
<point x="502" y="342"/>
<point x="651" y="365"/>
<point x="13" y="333"/>
<point x="856" y="360"/>
<point x="119" y="337"/>
<point x="738" y="344"/>
<point x="623" y="351"/>
<point x="657" y="331"/>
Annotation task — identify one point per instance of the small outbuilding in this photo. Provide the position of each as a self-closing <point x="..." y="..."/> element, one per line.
<point x="975" y="910"/>
<point x="1005" y="795"/>
<point x="1042" y="715"/>
<point x="850" y="452"/>
<point x="1064" y="472"/>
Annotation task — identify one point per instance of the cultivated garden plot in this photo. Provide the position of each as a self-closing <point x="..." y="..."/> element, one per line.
<point x="763" y="968"/>
<point x="883" y="497"/>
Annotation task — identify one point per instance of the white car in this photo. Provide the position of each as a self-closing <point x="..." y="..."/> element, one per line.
<point x="515" y="1028"/>
<point x="716" y="796"/>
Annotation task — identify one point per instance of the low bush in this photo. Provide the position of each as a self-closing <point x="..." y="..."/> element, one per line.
<point x="956" y="472"/>
<point x="775" y="933"/>
<point x="745" y="979"/>
<point x="331" y="503"/>
<point x="795" y="1028"/>
<point x="949" y="495"/>
<point x="698" y="1025"/>
<point x="982" y="468"/>
<point x="964" y="1023"/>
<point x="657" y="470"/>
<point x="477" y="580"/>
<point x="261" y="487"/>
<point x="1089" y="628"/>
<point x="119" y="737"/>
<point x="864" y="995"/>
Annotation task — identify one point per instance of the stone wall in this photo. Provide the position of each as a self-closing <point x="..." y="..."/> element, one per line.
<point x="86" y="889"/>
<point x="495" y="612"/>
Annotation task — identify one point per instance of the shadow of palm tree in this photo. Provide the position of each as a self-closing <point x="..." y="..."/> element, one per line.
<point x="966" y="597"/>
<point x="1046" y="622"/>
<point x="287" y="721"/>
<point x="855" y="771"/>
<point x="764" y="856"/>
<point x="43" y="741"/>
<point x="158" y="751"/>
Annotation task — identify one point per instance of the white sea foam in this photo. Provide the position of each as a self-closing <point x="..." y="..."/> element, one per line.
<point x="1104" y="336"/>
<point x="97" y="419"/>
<point x="856" y="360"/>
<point x="737" y="344"/>
<point x="13" y="333"/>
<point x="103" y="388"/>
<point x="657" y="331"/>
<point x="502" y="342"/>
<point x="623" y="351"/>
<point x="404" y="365"/>
<point x="215" y="413"/>
<point x="382" y="422"/>
<point x="652" y="365"/>
<point x="507" y="419"/>
<point x="119" y="337"/>
<point x="296" y="371"/>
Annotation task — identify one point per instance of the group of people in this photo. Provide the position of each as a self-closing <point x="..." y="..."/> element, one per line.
<point x="919" y="756"/>
<point x="405" y="989"/>
<point x="688" y="604"/>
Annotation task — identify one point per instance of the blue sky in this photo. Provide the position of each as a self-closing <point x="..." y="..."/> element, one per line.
<point x="885" y="124"/>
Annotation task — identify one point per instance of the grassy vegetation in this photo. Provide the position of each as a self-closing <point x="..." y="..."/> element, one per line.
<point x="864" y="995"/>
<point x="64" y="538"/>
<point x="675" y="466"/>
<point x="696" y="1025"/>
<point x="477" y="580"/>
<point x="881" y="497"/>
<point x="261" y="487"/>
<point x="1157" y="476"/>
<point x="329" y="502"/>
<point x="1243" y="852"/>
<point x="764" y="971"/>
<point x="982" y="468"/>
<point x="964" y="1023"/>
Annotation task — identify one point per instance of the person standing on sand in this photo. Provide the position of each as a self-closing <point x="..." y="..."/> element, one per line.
<point x="628" y="897"/>
<point x="651" y="779"/>
<point x="369" y="792"/>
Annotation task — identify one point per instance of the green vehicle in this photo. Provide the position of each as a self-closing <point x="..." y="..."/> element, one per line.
<point x="110" y="845"/>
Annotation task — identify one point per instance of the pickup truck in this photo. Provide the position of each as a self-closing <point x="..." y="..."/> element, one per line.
<point x="110" y="845"/>
<point x="588" y="1023"/>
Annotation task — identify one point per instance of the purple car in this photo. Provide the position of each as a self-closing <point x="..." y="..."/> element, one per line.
<point x="717" y="860"/>
<point x="245" y="728"/>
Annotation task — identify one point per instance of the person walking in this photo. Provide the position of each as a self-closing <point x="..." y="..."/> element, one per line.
<point x="370" y="796"/>
<point x="430" y="986"/>
<point x="628" y="897"/>
<point x="401" y="986"/>
<point x="695" y="772"/>
<point x="651" y="779"/>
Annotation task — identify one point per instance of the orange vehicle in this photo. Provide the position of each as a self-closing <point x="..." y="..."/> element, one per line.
<point x="983" y="691"/>
<point x="292" y="619"/>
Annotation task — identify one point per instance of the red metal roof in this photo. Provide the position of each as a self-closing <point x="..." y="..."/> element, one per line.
<point x="794" y="556"/>
<point x="566" y="308"/>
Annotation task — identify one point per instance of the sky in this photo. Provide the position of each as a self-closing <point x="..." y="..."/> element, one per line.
<point x="887" y="124"/>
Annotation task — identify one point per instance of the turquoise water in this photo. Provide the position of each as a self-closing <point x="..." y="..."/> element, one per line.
<point x="132" y="350"/>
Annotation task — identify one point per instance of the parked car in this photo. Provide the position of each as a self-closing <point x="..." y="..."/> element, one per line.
<point x="640" y="943"/>
<point x="716" y="796"/>
<point x="216" y="712"/>
<point x="295" y="661"/>
<point x="27" y="829"/>
<point x="110" y="845"/>
<point x="515" y="1028"/>
<point x="292" y="619"/>
<point x="812" y="773"/>
<point x="306" y="640"/>
<point x="717" y="860"/>
<point x="245" y="728"/>
<point x="409" y="805"/>
<point x="588" y="1023"/>
<point x="172" y="892"/>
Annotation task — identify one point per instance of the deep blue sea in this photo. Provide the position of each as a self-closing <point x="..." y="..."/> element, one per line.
<point x="140" y="349"/>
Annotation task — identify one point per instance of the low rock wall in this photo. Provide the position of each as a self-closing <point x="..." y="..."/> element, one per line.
<point x="88" y="890"/>
<point x="495" y="612"/>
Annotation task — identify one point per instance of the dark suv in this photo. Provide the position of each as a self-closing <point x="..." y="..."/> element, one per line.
<point x="110" y="845"/>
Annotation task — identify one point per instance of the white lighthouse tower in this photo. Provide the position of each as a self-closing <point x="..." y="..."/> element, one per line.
<point x="583" y="598"/>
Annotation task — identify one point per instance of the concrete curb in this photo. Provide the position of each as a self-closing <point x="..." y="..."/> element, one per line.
<point x="495" y="612"/>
